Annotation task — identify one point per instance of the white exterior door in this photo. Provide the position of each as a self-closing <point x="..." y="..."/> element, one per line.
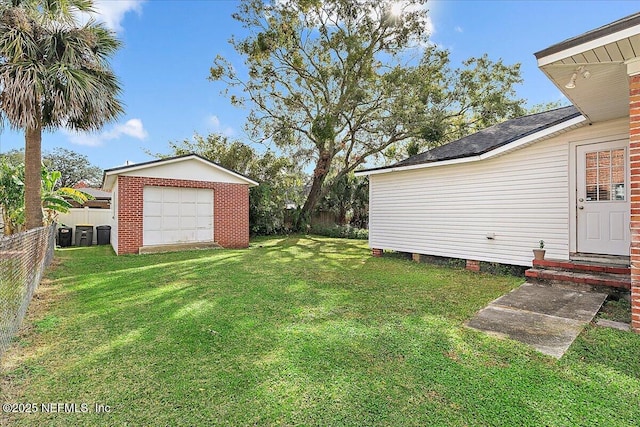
<point x="602" y="198"/>
<point x="177" y="215"/>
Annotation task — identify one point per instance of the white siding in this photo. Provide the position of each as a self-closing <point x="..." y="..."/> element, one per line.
<point x="520" y="198"/>
<point x="191" y="169"/>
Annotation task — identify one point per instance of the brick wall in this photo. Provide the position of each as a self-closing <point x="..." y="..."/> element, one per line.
<point x="230" y="208"/>
<point x="634" y="159"/>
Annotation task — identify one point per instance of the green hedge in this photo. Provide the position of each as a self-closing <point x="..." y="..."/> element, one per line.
<point x="342" y="231"/>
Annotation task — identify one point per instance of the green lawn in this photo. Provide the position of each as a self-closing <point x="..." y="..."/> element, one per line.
<point x="297" y="331"/>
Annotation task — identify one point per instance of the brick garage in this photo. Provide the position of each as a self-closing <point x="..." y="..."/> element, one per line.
<point x="178" y="201"/>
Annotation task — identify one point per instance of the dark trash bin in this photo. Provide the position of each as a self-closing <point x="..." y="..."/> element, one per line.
<point x="64" y="236"/>
<point x="84" y="235"/>
<point x="104" y="234"/>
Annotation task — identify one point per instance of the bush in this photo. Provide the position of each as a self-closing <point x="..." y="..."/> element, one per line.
<point x="340" y="231"/>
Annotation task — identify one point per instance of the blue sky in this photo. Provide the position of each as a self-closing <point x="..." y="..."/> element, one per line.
<point x="169" y="46"/>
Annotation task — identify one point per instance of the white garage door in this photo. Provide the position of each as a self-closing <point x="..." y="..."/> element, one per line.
<point x="177" y="215"/>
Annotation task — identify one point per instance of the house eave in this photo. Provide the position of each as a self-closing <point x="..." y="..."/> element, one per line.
<point x="519" y="143"/>
<point x="110" y="175"/>
<point x="626" y="27"/>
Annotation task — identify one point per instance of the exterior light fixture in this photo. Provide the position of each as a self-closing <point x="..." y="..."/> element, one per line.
<point x="581" y="71"/>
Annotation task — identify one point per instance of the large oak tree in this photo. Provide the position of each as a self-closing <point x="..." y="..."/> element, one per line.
<point x="335" y="82"/>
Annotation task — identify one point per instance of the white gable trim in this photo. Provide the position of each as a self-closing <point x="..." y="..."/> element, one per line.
<point x="529" y="139"/>
<point x="110" y="175"/>
<point x="602" y="41"/>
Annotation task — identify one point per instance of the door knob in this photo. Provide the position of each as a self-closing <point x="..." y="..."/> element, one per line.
<point x="580" y="207"/>
<point x="581" y="199"/>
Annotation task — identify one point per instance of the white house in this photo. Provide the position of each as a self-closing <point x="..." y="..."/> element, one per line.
<point x="570" y="177"/>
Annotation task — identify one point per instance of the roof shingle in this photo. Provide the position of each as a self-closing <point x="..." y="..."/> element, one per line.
<point x="492" y="137"/>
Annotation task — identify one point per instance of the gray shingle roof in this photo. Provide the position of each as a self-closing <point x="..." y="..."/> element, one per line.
<point x="492" y="137"/>
<point x="605" y="30"/>
<point x="96" y="192"/>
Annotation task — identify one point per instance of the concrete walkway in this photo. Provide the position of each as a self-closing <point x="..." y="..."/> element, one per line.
<point x="545" y="317"/>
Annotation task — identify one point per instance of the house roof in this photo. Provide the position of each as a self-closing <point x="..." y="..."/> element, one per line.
<point x="96" y="193"/>
<point x="592" y="70"/>
<point x="535" y="125"/>
<point x="595" y="34"/>
<point x="109" y="174"/>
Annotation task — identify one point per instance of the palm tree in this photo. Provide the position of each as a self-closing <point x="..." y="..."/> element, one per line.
<point x="54" y="72"/>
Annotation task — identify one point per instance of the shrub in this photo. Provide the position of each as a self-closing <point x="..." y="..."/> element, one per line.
<point x="339" y="231"/>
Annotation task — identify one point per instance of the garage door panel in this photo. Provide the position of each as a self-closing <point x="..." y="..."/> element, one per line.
<point x="204" y="223"/>
<point x="205" y="197"/>
<point x="153" y="223"/>
<point x="204" y="235"/>
<point x="183" y="236"/>
<point x="171" y="209"/>
<point x="177" y="215"/>
<point x="153" y="194"/>
<point x="188" y="223"/>
<point x="170" y="236"/>
<point x="171" y="223"/>
<point x="153" y="239"/>
<point x="188" y="194"/>
<point x="188" y="209"/>
<point x="204" y="210"/>
<point x="171" y="195"/>
<point x="153" y="208"/>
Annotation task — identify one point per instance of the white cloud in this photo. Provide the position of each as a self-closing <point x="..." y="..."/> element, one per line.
<point x="132" y="128"/>
<point x="112" y="12"/>
<point x="458" y="29"/>
<point x="214" y="125"/>
<point x="83" y="138"/>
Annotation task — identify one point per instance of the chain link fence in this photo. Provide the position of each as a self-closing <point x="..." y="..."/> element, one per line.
<point x="23" y="259"/>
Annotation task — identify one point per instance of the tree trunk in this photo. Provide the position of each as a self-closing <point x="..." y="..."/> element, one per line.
<point x="342" y="213"/>
<point x="33" y="177"/>
<point x="319" y="175"/>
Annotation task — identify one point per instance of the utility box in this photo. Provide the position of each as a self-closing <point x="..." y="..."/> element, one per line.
<point x="104" y="234"/>
<point x="84" y="235"/>
<point x="64" y="236"/>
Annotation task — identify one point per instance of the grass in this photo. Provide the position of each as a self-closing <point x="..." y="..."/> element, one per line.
<point x="297" y="331"/>
<point x="618" y="310"/>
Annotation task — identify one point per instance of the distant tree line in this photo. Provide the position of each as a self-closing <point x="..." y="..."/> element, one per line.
<point x="73" y="167"/>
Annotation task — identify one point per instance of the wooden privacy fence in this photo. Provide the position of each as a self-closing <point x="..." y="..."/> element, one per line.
<point x="23" y="258"/>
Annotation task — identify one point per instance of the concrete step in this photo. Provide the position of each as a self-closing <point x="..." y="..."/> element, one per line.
<point x="582" y="266"/>
<point x="618" y="281"/>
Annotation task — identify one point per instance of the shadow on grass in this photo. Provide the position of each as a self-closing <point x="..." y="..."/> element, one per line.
<point x="300" y="330"/>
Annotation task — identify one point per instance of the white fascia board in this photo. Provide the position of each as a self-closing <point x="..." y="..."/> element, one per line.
<point x="602" y="41"/>
<point x="108" y="182"/>
<point x="543" y="134"/>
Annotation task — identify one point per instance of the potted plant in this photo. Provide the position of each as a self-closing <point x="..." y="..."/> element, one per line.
<point x="538" y="254"/>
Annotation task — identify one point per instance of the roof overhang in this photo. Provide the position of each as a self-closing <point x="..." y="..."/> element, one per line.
<point x="502" y="150"/>
<point x="110" y="176"/>
<point x="605" y="53"/>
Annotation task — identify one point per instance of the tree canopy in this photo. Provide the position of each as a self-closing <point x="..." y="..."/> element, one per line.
<point x="336" y="82"/>
<point x="73" y="166"/>
<point x="281" y="181"/>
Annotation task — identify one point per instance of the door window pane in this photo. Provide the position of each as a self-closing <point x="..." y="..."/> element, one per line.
<point x="605" y="175"/>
